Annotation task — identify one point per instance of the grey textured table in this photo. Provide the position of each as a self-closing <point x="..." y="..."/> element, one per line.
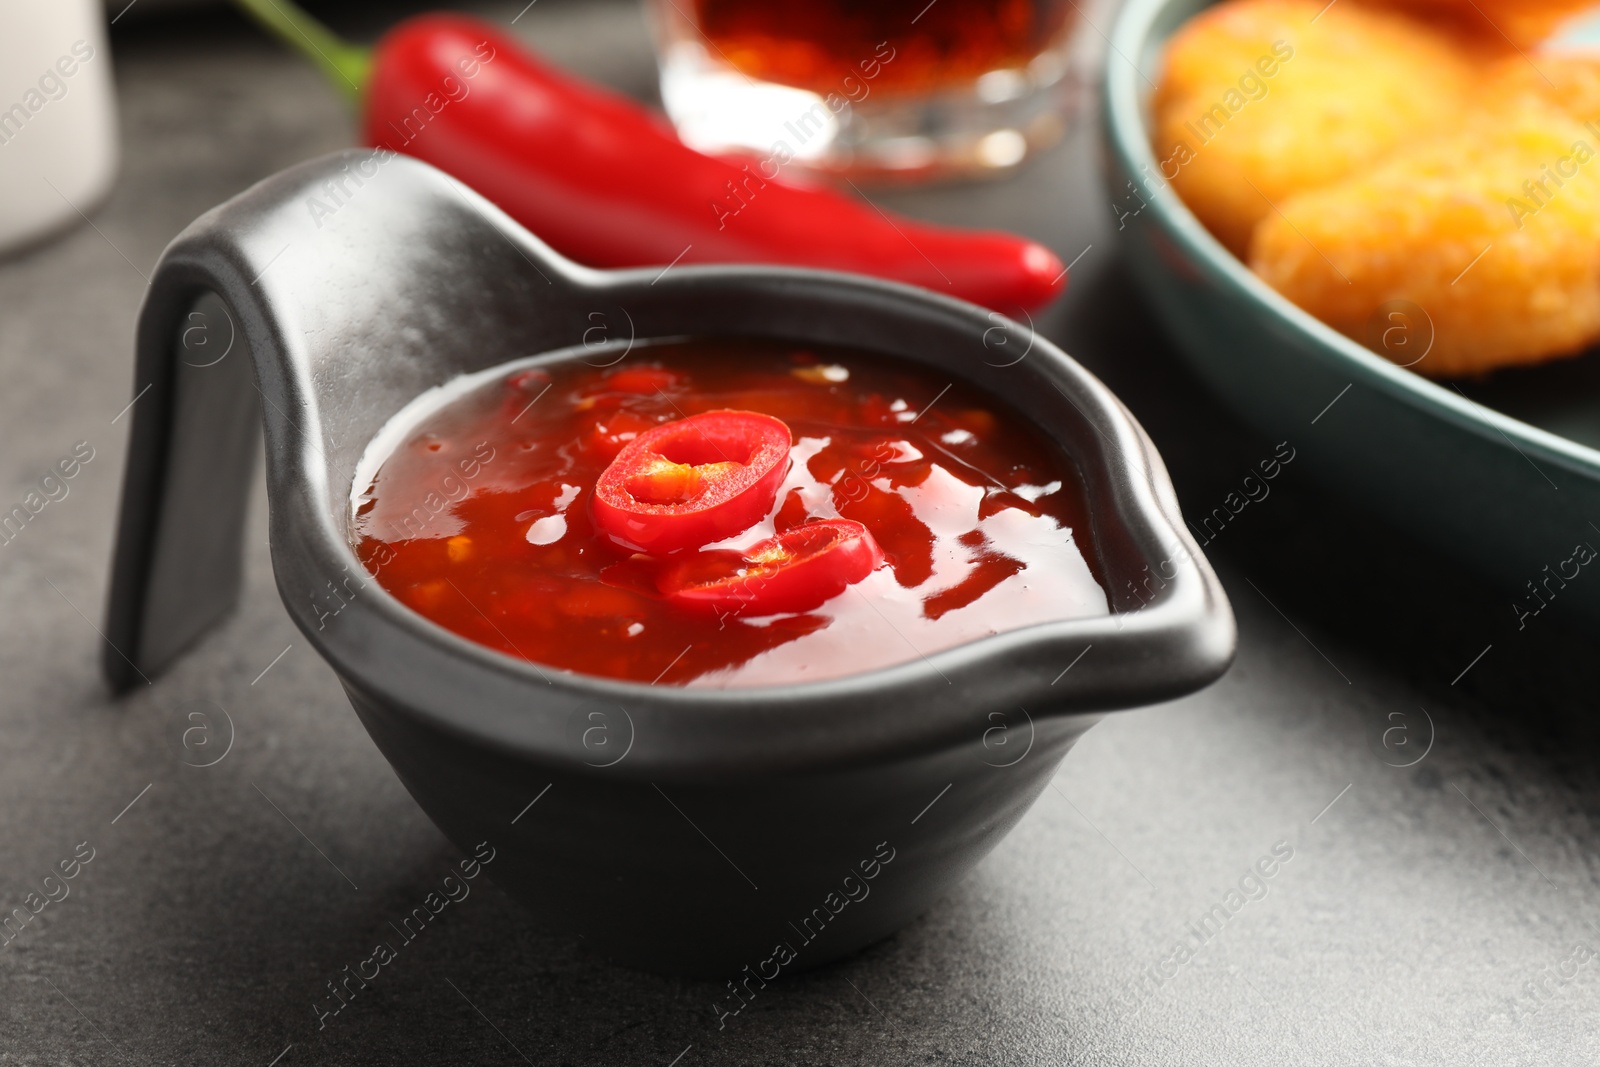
<point x="1439" y="913"/>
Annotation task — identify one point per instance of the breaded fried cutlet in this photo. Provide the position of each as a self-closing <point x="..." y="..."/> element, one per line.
<point x="1493" y="230"/>
<point x="1568" y="80"/>
<point x="1263" y="99"/>
<point x="1522" y="23"/>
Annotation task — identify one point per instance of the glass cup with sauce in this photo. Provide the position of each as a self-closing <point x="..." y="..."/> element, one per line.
<point x="874" y="89"/>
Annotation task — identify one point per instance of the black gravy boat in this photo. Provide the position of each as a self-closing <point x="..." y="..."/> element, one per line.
<point x="684" y="830"/>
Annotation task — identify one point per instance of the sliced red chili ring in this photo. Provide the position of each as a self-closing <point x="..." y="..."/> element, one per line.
<point x="799" y="570"/>
<point x="691" y="482"/>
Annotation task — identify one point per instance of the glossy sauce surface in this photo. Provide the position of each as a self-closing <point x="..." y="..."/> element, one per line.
<point x="473" y="508"/>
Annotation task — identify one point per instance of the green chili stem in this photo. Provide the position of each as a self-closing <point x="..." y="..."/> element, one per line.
<point x="345" y="64"/>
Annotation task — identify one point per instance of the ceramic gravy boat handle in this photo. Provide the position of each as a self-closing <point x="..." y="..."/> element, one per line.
<point x="262" y="314"/>
<point x="178" y="562"/>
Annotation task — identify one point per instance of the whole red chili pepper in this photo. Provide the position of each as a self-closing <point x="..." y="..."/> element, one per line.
<point x="607" y="183"/>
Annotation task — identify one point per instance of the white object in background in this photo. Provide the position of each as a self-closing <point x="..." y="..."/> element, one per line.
<point x="58" y="126"/>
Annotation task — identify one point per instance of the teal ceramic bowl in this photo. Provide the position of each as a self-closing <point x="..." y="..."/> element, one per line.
<point x="1502" y="474"/>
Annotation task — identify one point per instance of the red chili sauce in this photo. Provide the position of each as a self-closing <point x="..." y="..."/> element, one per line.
<point x="908" y="513"/>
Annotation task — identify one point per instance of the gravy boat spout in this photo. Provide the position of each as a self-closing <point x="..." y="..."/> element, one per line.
<point x="685" y="830"/>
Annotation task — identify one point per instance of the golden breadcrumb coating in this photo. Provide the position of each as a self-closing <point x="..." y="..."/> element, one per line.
<point x="1568" y="80"/>
<point x="1492" y="230"/>
<point x="1519" y="22"/>
<point x="1263" y="99"/>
